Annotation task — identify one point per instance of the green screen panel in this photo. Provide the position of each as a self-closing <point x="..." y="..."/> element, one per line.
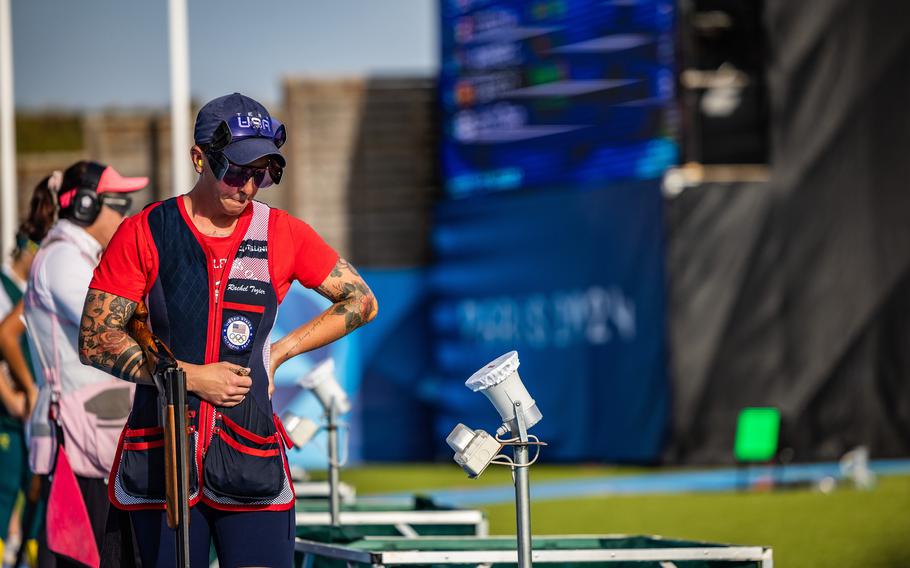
<point x="757" y="432"/>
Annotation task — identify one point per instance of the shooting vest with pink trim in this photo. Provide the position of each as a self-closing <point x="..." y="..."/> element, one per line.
<point x="237" y="455"/>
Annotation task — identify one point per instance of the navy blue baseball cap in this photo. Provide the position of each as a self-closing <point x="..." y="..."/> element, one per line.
<point x="240" y="113"/>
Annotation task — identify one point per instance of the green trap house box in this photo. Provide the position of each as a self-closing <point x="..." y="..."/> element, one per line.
<point x="615" y="551"/>
<point x="419" y="516"/>
<point x="757" y="431"/>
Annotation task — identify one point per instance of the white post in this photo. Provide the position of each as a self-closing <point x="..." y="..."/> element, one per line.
<point x="180" y="97"/>
<point x="9" y="206"/>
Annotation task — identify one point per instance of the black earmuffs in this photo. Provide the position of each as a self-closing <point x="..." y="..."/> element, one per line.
<point x="87" y="202"/>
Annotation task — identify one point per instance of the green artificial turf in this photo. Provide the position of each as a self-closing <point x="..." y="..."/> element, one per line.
<point x="396" y="478"/>
<point x="806" y="528"/>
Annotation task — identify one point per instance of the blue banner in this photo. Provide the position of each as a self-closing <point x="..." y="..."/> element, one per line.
<point x="573" y="280"/>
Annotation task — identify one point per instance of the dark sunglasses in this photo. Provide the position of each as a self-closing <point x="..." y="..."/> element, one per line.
<point x="237" y="176"/>
<point x="118" y="202"/>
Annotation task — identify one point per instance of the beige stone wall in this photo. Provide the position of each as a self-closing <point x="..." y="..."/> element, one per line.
<point x="362" y="165"/>
<point x="135" y="144"/>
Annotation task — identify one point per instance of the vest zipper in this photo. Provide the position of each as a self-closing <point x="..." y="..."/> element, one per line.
<point x="212" y="355"/>
<point x="211" y="358"/>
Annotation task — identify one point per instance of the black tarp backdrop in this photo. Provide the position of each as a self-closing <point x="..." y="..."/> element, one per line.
<point x="796" y="293"/>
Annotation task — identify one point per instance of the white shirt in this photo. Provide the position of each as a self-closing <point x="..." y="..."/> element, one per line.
<point x="58" y="282"/>
<point x="57" y="286"/>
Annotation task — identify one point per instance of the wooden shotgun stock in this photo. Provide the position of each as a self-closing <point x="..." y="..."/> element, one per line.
<point x="171" y="384"/>
<point x="138" y="329"/>
<point x="172" y="506"/>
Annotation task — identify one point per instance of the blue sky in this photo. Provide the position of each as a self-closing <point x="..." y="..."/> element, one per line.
<point x="96" y="53"/>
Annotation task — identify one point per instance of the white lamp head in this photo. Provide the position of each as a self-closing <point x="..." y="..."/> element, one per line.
<point x="474" y="449"/>
<point x="500" y="382"/>
<point x="321" y="380"/>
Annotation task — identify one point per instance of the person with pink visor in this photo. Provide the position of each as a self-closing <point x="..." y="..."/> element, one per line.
<point x="80" y="410"/>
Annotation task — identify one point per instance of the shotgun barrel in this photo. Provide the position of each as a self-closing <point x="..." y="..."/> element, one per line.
<point x="171" y="383"/>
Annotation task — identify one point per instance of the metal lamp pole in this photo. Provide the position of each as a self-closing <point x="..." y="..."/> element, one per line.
<point x="334" y="500"/>
<point x="522" y="489"/>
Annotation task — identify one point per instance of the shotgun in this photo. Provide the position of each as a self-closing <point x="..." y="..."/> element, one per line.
<point x="171" y="384"/>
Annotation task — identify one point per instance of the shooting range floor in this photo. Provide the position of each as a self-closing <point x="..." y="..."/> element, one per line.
<point x="692" y="481"/>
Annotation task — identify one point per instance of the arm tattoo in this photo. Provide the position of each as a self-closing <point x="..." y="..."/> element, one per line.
<point x="352" y="298"/>
<point x="127" y="361"/>
<point x="103" y="340"/>
<point x="341" y="266"/>
<point x="307" y="332"/>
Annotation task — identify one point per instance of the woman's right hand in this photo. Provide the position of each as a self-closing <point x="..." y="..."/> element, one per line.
<point x="16" y="405"/>
<point x="222" y="384"/>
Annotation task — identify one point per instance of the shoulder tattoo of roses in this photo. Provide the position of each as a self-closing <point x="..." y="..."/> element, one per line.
<point x="352" y="297"/>
<point x="103" y="338"/>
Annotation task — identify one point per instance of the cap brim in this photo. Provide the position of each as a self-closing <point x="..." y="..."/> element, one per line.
<point x="248" y="150"/>
<point x="112" y="182"/>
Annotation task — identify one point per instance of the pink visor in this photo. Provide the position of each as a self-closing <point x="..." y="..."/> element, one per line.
<point x="113" y="182"/>
<point x="109" y="182"/>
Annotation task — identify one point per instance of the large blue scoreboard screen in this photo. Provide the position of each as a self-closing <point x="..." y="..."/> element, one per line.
<point x="555" y="93"/>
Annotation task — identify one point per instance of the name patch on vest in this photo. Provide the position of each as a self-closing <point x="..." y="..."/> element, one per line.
<point x="246" y="288"/>
<point x="237" y="333"/>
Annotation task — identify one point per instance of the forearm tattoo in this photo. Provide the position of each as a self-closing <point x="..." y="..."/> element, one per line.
<point x="103" y="340"/>
<point x="353" y="299"/>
